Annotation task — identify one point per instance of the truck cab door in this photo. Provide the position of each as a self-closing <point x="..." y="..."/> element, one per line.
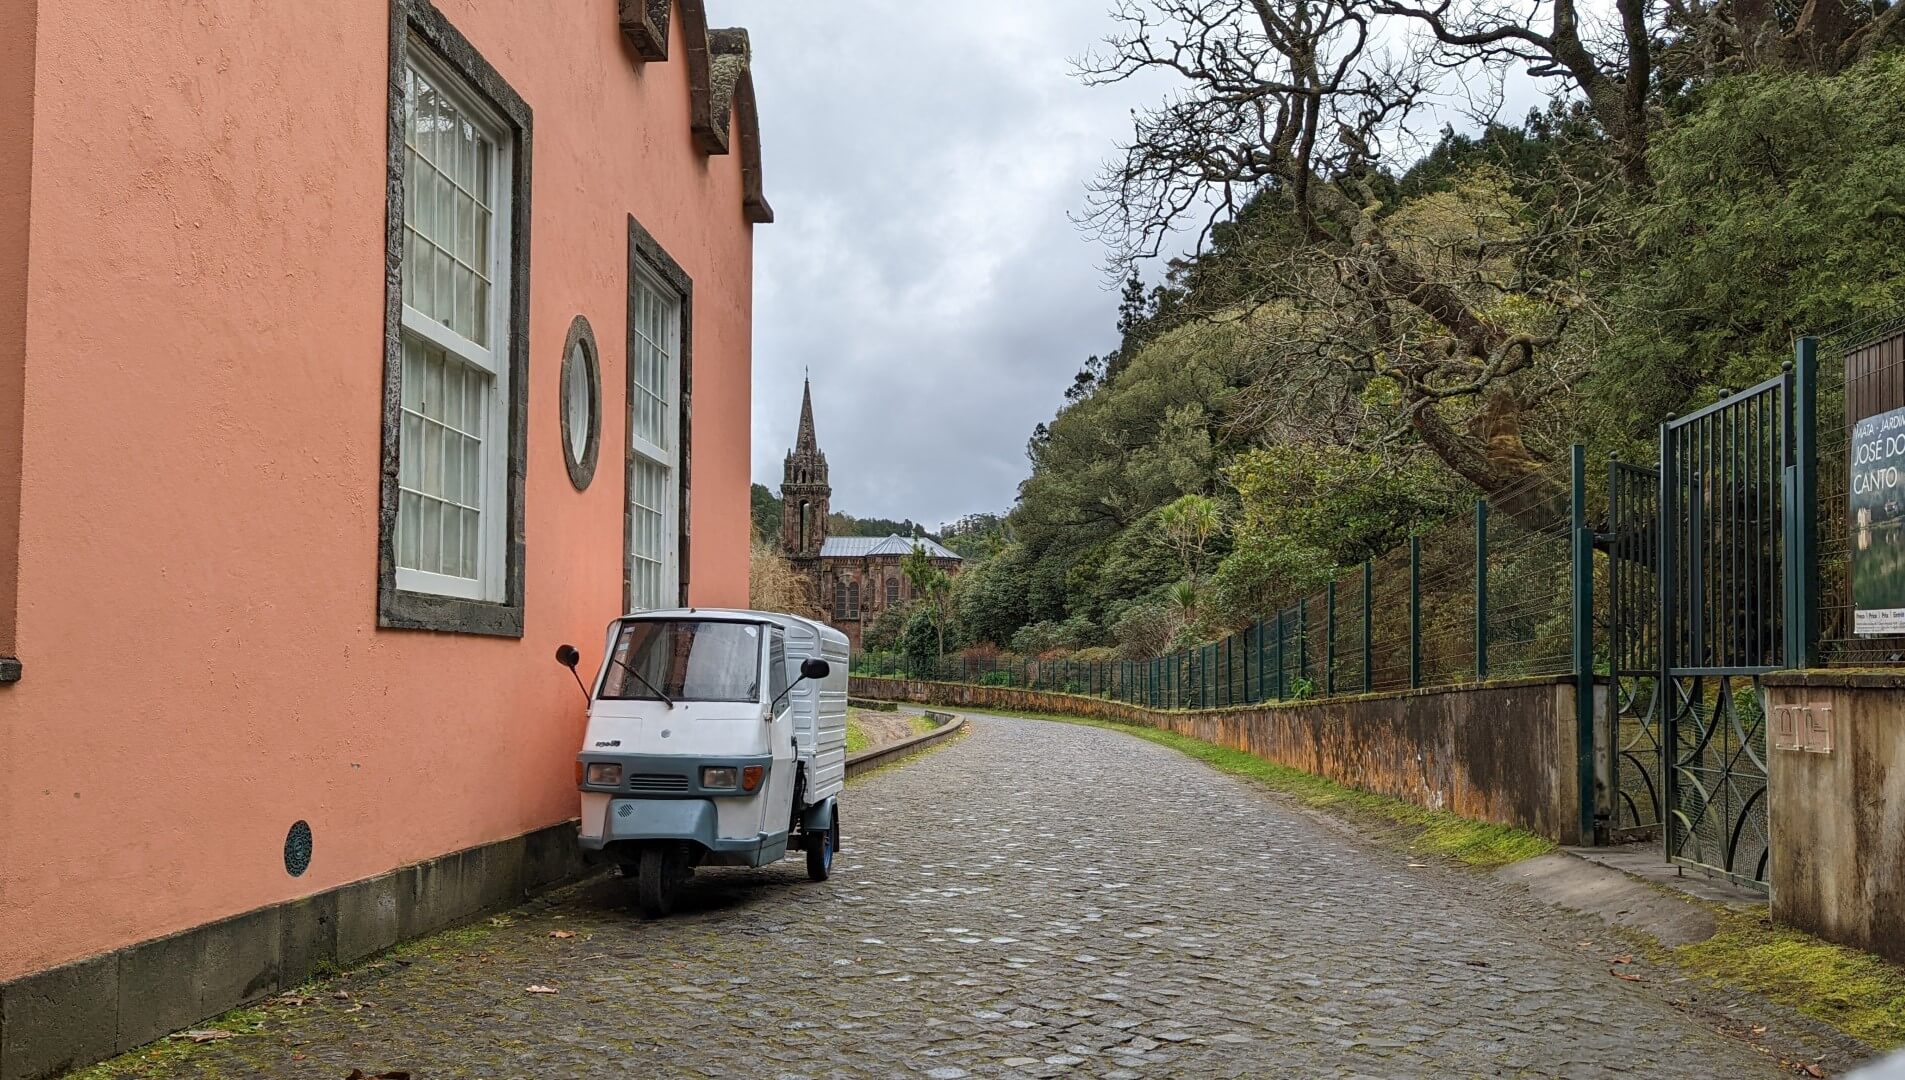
<point x="779" y="798"/>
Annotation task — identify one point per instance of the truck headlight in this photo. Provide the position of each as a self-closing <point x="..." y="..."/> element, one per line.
<point x="718" y="776"/>
<point x="604" y="774"/>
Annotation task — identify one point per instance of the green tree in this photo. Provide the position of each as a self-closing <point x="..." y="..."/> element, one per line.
<point x="766" y="511"/>
<point x="1779" y="210"/>
<point x="1307" y="509"/>
<point x="839" y="524"/>
<point x="1191" y="523"/>
<point x="920" y="637"/>
<point x="989" y="597"/>
<point x="883" y="634"/>
<point x="932" y="590"/>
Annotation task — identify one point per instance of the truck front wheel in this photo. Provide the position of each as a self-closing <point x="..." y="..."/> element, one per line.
<point x="659" y="872"/>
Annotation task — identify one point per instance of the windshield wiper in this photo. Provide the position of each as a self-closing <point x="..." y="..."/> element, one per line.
<point x="652" y="688"/>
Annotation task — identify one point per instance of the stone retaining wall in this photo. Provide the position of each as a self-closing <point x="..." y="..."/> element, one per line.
<point x="1501" y="751"/>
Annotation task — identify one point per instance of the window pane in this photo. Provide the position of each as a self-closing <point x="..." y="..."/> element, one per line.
<point x="472" y="542"/>
<point x="472" y="472"/>
<point x="576" y="393"/>
<point x="453" y="467"/>
<point x="430" y="537"/>
<point x="410" y="466"/>
<point x="776" y="668"/>
<point x="409" y="520"/>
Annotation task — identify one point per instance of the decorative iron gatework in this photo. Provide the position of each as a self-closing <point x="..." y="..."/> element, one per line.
<point x="1632" y="747"/>
<point x="1724" y="576"/>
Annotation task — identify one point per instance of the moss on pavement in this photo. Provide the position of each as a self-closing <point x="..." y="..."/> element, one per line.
<point x="1856" y="992"/>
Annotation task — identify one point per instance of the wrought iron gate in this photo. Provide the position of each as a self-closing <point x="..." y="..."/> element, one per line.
<point x="1632" y="747"/>
<point x="1725" y="472"/>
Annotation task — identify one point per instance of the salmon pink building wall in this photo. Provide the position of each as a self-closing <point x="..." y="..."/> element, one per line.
<point x="202" y="387"/>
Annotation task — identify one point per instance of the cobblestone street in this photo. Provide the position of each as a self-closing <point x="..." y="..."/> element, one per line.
<point x="1037" y="899"/>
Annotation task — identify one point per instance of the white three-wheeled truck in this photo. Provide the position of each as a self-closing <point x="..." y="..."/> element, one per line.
<point x="715" y="738"/>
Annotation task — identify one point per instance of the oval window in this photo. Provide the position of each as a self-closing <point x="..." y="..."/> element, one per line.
<point x="581" y="403"/>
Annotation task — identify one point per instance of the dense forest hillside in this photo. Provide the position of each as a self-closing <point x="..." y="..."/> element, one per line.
<point x="767" y="520"/>
<point x="1361" y="347"/>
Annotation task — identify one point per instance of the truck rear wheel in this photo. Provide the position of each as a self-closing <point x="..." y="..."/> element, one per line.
<point x="659" y="870"/>
<point x="820" y="850"/>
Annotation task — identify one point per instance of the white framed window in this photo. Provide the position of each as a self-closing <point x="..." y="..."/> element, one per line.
<point x="654" y="443"/>
<point x="453" y="450"/>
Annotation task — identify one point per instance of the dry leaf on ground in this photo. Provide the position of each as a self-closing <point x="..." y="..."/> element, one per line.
<point x="539" y="989"/>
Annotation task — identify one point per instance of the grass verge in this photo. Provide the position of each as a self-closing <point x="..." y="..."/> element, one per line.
<point x="1856" y="992"/>
<point x="1421" y="830"/>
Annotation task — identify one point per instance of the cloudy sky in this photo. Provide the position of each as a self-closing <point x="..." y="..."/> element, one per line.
<point x="922" y="159"/>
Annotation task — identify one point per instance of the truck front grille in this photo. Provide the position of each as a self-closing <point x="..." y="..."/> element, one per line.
<point x="657" y="782"/>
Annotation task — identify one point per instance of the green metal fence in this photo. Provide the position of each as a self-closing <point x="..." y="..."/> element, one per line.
<point x="1486" y="594"/>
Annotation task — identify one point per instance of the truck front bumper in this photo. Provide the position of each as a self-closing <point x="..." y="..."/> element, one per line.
<point x="687" y="820"/>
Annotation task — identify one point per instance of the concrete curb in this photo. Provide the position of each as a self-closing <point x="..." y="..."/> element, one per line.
<point x="884" y="755"/>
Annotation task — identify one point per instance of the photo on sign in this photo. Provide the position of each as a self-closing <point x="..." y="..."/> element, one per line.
<point x="1878" y="524"/>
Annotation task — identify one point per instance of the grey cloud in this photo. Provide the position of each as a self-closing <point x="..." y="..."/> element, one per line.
<point x="922" y="159"/>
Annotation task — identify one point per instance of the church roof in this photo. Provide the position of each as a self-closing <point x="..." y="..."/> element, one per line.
<point x="860" y="547"/>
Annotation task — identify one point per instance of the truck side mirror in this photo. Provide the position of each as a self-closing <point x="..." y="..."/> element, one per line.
<point x="568" y="657"/>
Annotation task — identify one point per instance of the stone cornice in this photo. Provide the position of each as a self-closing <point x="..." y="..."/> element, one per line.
<point x="721" y="104"/>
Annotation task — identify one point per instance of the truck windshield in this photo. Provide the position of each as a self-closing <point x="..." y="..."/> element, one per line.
<point x="686" y="659"/>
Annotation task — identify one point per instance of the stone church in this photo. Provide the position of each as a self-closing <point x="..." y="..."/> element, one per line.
<point x="854" y="578"/>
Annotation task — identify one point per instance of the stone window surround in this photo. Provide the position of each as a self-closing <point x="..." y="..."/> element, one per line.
<point x="646" y="253"/>
<point x="396" y="608"/>
<point x="582" y="471"/>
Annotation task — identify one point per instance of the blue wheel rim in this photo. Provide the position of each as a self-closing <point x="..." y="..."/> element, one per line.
<point x="826" y="857"/>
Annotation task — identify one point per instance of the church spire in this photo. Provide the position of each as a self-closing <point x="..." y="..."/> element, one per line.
<point x="804" y="490"/>
<point x="805" y="443"/>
